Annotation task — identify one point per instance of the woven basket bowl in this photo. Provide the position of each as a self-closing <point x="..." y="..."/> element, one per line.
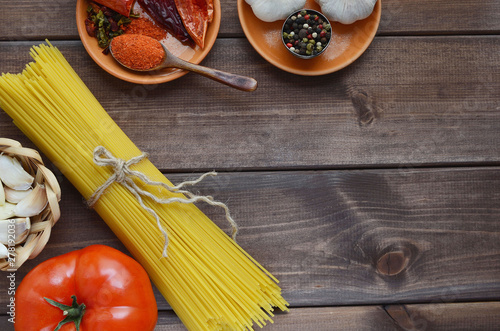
<point x="41" y="225"/>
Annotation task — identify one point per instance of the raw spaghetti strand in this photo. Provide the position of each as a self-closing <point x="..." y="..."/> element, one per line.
<point x="208" y="279"/>
<point x="123" y="175"/>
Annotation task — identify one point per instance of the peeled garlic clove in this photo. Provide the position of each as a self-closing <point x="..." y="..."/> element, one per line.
<point x="13" y="174"/>
<point x="14" y="230"/>
<point x="33" y="204"/>
<point x="2" y="194"/>
<point x="15" y="196"/>
<point x="4" y="253"/>
<point x="7" y="211"/>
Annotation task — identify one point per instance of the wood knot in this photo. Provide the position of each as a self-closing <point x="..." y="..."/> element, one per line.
<point x="393" y="263"/>
<point x="364" y="107"/>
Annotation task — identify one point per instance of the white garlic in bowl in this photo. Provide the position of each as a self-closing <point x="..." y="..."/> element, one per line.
<point x="13" y="175"/>
<point x="274" y="10"/>
<point x="18" y="201"/>
<point x="347" y="11"/>
<point x="29" y="204"/>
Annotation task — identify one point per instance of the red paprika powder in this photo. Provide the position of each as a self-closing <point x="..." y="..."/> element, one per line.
<point x="146" y="27"/>
<point x="137" y="51"/>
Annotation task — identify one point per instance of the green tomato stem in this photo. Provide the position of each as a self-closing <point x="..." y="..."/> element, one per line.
<point x="73" y="313"/>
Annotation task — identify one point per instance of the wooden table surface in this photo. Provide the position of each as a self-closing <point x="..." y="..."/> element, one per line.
<point x="372" y="193"/>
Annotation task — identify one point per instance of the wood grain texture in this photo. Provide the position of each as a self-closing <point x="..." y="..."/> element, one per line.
<point x="55" y="19"/>
<point x="479" y="316"/>
<point x="435" y="102"/>
<point x="405" y="237"/>
<point x="439" y="17"/>
<point x="324" y="234"/>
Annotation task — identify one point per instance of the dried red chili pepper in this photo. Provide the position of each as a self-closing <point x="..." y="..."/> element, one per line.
<point x="137" y="51"/>
<point x="123" y="7"/>
<point x="165" y="13"/>
<point x="210" y="8"/>
<point x="195" y="17"/>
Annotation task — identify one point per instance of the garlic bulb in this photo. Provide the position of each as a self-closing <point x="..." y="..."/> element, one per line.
<point x="273" y="10"/>
<point x="347" y="11"/>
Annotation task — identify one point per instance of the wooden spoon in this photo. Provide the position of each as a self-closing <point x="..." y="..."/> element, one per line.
<point x="171" y="61"/>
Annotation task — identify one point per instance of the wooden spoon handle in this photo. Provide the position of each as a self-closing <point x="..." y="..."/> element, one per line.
<point x="242" y="83"/>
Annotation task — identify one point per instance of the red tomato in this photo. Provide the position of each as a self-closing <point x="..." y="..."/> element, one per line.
<point x="114" y="288"/>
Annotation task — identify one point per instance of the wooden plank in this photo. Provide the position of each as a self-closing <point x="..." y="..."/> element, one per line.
<point x="343" y="237"/>
<point x="28" y="20"/>
<point x="453" y="317"/>
<point x="439" y="17"/>
<point x="407" y="102"/>
<point x="446" y="317"/>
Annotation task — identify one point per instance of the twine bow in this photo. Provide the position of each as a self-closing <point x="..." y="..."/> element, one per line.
<point x="123" y="174"/>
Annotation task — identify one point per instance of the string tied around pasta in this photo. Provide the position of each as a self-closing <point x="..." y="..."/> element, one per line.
<point x="123" y="175"/>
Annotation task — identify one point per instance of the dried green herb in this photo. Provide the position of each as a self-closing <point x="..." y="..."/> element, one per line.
<point x="104" y="24"/>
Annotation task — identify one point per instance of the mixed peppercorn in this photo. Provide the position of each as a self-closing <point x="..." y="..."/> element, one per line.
<point x="306" y="33"/>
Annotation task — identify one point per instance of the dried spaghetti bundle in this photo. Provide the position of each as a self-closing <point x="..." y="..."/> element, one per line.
<point x="210" y="281"/>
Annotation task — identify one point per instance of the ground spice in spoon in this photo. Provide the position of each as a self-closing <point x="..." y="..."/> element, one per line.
<point x="137" y="51"/>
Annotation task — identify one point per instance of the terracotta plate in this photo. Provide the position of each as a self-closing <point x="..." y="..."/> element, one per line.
<point x="347" y="44"/>
<point x="191" y="54"/>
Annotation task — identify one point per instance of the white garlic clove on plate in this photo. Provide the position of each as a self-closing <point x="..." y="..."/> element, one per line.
<point x="7" y="211"/>
<point x="15" y="230"/>
<point x="347" y="11"/>
<point x="273" y="10"/>
<point x="13" y="174"/>
<point x="15" y="196"/>
<point x="33" y="204"/>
